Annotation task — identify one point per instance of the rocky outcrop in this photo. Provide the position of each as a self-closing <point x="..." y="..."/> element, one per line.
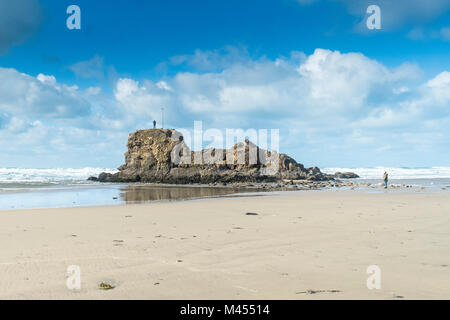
<point x="158" y="155"/>
<point x="345" y="175"/>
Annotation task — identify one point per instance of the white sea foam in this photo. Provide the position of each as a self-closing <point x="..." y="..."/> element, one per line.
<point x="61" y="176"/>
<point x="49" y="176"/>
<point x="396" y="173"/>
<point x="18" y="179"/>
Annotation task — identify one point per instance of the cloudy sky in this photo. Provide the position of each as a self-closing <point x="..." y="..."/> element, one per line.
<point x="341" y="95"/>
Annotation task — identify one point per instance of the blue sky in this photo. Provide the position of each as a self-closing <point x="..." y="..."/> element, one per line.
<point x="341" y="95"/>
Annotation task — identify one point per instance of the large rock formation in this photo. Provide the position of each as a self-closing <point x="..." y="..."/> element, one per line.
<point x="158" y="155"/>
<point x="346" y="175"/>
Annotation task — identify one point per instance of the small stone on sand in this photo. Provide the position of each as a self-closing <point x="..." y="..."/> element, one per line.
<point x="105" y="286"/>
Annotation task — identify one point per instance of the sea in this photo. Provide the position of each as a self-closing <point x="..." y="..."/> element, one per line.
<point x="68" y="187"/>
<point x="432" y="177"/>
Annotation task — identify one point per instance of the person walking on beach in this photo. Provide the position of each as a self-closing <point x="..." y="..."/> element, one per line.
<point x="154" y="124"/>
<point x="385" y="179"/>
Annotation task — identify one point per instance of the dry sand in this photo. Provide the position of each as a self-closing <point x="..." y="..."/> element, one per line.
<point x="210" y="249"/>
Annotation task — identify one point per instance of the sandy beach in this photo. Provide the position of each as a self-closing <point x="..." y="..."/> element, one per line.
<point x="301" y="245"/>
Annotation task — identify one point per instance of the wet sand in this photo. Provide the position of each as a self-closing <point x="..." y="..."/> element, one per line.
<point x="300" y="245"/>
<point x="108" y="194"/>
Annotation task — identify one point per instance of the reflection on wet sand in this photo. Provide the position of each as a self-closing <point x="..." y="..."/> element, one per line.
<point x="133" y="194"/>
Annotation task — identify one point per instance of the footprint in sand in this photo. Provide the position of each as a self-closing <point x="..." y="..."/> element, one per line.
<point x="118" y="242"/>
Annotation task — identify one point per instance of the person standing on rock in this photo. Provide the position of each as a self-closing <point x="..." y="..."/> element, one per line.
<point x="385" y="179"/>
<point x="154" y="124"/>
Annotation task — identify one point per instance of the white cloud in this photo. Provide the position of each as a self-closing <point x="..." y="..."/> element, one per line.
<point x="439" y="88"/>
<point x="325" y="101"/>
<point x="326" y="82"/>
<point x="93" y="68"/>
<point x="51" y="80"/>
<point x="212" y="60"/>
<point x="163" y="85"/>
<point x="47" y="123"/>
<point x="93" y="91"/>
<point x="144" y="100"/>
<point x="336" y="100"/>
<point x="39" y="97"/>
<point x="421" y="33"/>
<point x="340" y="81"/>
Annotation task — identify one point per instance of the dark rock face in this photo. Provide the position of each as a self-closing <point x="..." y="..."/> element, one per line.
<point x="161" y="156"/>
<point x="345" y="175"/>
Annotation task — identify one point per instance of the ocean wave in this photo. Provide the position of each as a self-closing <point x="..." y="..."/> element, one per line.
<point x="396" y="173"/>
<point x="15" y="177"/>
<point x="48" y="176"/>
